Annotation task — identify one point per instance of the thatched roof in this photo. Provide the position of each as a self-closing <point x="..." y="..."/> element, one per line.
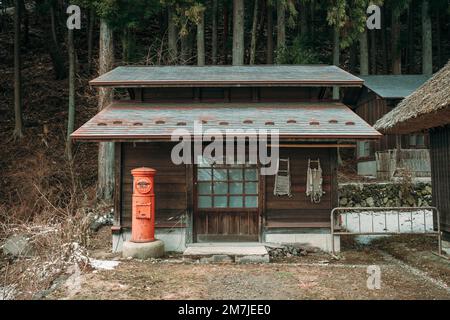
<point x="426" y="108"/>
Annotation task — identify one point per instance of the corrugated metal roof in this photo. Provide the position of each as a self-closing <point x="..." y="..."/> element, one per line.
<point x="214" y="76"/>
<point x="394" y="86"/>
<point x="128" y="121"/>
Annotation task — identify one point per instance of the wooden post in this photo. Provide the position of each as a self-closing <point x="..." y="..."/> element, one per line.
<point x="189" y="203"/>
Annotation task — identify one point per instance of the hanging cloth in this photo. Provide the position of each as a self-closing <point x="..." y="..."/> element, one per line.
<point x="314" y="182"/>
<point x="282" y="185"/>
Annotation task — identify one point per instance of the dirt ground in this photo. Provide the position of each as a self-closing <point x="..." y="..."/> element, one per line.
<point x="406" y="264"/>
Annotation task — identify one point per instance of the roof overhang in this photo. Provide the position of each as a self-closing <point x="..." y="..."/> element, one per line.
<point x="394" y="86"/>
<point x="128" y="121"/>
<point x="227" y="76"/>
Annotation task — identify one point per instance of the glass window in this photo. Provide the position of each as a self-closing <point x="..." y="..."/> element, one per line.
<point x="412" y="140"/>
<point x="204" y="202"/>
<point x="251" y="188"/>
<point x="220" y="175"/>
<point x="420" y="140"/>
<point x="220" y="202"/>
<point x="236" y="174"/>
<point x="251" y="202"/>
<point x="222" y="186"/>
<point x="236" y="201"/>
<point x="204" y="188"/>
<point x="251" y="174"/>
<point x="236" y="188"/>
<point x="204" y="174"/>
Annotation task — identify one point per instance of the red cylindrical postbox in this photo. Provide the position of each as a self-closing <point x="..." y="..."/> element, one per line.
<point x="143" y="206"/>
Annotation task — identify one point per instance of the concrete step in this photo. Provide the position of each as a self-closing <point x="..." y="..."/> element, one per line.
<point x="226" y="252"/>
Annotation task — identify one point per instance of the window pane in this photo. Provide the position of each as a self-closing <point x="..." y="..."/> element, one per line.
<point x="203" y="162"/>
<point x="204" y="202"/>
<point x="236" y="174"/>
<point x="204" y="174"/>
<point x="412" y="140"/>
<point x="236" y="201"/>
<point x="420" y="140"/>
<point x="204" y="188"/>
<point x="251" y="188"/>
<point x="251" y="174"/>
<point x="220" y="202"/>
<point x="220" y="175"/>
<point x="220" y="188"/>
<point x="251" y="202"/>
<point x="236" y="188"/>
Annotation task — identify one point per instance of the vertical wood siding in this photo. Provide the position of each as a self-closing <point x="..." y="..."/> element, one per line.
<point x="170" y="182"/>
<point x="440" y="172"/>
<point x="298" y="211"/>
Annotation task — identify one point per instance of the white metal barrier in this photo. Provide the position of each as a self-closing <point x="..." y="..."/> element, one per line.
<point x="388" y="211"/>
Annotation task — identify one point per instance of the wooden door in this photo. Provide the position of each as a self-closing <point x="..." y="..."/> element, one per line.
<point x="226" y="203"/>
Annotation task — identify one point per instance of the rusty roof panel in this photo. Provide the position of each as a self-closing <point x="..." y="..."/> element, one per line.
<point x="128" y="121"/>
<point x="220" y="76"/>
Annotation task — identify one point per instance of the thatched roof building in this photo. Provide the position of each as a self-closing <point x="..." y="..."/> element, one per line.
<point x="426" y="108"/>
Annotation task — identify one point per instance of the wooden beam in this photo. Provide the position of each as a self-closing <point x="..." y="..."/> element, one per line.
<point x="118" y="184"/>
<point x="313" y="145"/>
<point x="189" y="203"/>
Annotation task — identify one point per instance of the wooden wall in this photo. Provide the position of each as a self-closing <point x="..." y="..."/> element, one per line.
<point x="170" y="182"/>
<point x="440" y="173"/>
<point x="298" y="211"/>
<point x="371" y="108"/>
<point x="243" y="94"/>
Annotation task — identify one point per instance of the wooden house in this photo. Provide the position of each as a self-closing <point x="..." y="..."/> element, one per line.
<point x="208" y="202"/>
<point x="379" y="95"/>
<point x="429" y="109"/>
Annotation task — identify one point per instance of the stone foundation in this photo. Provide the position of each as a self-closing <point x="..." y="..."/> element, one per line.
<point x="384" y="195"/>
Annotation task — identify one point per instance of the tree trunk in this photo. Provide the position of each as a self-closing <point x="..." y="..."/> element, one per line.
<point x="238" y="32"/>
<point x="373" y="51"/>
<point x="427" y="44"/>
<point x="363" y="54"/>
<point x="281" y="27"/>
<point x="269" y="56"/>
<point x="214" y="32"/>
<point x="438" y="39"/>
<point x="55" y="49"/>
<point x="172" y="35"/>
<point x="225" y="32"/>
<point x="18" y="128"/>
<point x="185" y="42"/>
<point x="26" y="22"/>
<point x="384" y="42"/>
<point x="336" y="57"/>
<point x="105" y="188"/>
<point x="71" y="116"/>
<point x="90" y="39"/>
<point x="254" y="35"/>
<point x="396" y="55"/>
<point x="411" y="47"/>
<point x="303" y="20"/>
<point x="201" y="39"/>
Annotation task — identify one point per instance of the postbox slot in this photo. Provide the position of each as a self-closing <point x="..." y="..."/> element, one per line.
<point x="143" y="211"/>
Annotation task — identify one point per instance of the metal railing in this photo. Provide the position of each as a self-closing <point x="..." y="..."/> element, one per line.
<point x="394" y="211"/>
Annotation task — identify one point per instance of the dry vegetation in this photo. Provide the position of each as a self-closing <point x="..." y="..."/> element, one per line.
<point x="43" y="197"/>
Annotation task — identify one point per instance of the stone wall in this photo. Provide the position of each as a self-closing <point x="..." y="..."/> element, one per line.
<point x="384" y="195"/>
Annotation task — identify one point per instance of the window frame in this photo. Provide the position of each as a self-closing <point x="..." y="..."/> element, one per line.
<point x="229" y="180"/>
